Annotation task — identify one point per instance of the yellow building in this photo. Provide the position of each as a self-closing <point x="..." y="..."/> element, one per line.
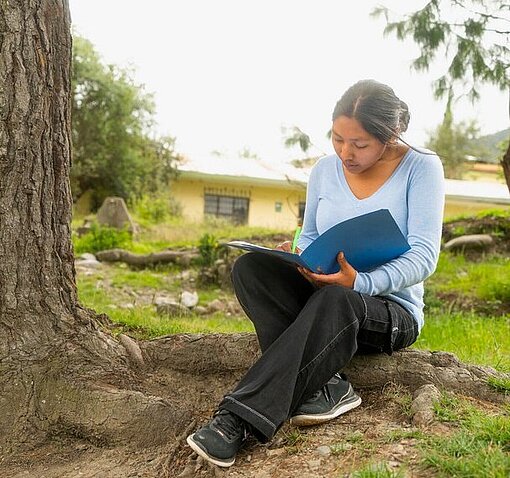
<point x="253" y="192"/>
<point x="244" y="190"/>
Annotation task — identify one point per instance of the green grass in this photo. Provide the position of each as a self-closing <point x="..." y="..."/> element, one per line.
<point x="378" y="470"/>
<point x="472" y="338"/>
<point x="142" y="321"/>
<point x="462" y="296"/>
<point x="178" y="232"/>
<point x="500" y="384"/>
<point x="394" y="436"/>
<point x="487" y="281"/>
<point x="142" y="278"/>
<point x="479" y="448"/>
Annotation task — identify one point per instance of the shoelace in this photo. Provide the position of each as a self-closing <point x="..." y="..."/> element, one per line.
<point x="325" y="389"/>
<point x="229" y="424"/>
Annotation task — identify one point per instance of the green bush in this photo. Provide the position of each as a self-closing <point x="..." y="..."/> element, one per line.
<point x="209" y="248"/>
<point x="155" y="209"/>
<point x="101" y="238"/>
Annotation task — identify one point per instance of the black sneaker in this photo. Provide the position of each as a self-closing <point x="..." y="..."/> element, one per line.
<point x="219" y="440"/>
<point x="335" y="398"/>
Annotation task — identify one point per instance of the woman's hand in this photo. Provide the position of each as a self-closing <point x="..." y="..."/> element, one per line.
<point x="287" y="247"/>
<point x="345" y="276"/>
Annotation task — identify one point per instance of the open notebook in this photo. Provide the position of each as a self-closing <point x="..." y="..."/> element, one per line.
<point x="367" y="241"/>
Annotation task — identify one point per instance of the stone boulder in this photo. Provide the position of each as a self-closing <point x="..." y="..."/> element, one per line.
<point x="479" y="242"/>
<point x="114" y="213"/>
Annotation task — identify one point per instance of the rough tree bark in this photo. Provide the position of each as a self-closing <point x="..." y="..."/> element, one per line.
<point x="58" y="372"/>
<point x="505" y="161"/>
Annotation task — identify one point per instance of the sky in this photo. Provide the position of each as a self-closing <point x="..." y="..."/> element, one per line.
<point x="228" y="75"/>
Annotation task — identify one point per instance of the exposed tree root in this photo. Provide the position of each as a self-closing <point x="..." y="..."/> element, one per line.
<point x="219" y="353"/>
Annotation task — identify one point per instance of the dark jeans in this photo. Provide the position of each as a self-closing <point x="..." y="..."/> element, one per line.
<point x="306" y="334"/>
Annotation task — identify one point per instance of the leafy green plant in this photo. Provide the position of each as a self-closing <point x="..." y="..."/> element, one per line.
<point x="294" y="440"/>
<point x="378" y="470"/>
<point x="155" y="209"/>
<point x="208" y="248"/>
<point x="101" y="238"/>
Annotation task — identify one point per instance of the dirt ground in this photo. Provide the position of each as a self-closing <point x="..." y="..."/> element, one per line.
<point x="376" y="434"/>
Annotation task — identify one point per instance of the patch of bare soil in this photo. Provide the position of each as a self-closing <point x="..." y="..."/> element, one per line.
<point x="378" y="433"/>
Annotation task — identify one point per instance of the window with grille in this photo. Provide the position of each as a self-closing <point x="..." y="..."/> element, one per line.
<point x="227" y="207"/>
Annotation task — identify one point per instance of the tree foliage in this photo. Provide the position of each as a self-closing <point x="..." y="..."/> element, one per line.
<point x="114" y="149"/>
<point x="473" y="36"/>
<point x="453" y="143"/>
<point x="294" y="136"/>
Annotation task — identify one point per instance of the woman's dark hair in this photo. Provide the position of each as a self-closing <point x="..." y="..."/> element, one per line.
<point x="376" y="107"/>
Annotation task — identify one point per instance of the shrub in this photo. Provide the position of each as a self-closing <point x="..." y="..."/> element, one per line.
<point x="101" y="238"/>
<point x="155" y="209"/>
<point x="208" y="248"/>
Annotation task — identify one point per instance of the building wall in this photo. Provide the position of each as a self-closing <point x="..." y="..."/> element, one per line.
<point x="190" y="194"/>
<point x="262" y="205"/>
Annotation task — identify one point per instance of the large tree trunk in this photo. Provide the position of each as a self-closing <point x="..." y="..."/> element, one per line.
<point x="505" y="162"/>
<point x="58" y="371"/>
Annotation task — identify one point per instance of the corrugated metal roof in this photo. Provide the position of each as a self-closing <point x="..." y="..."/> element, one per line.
<point x="262" y="172"/>
<point x="250" y="168"/>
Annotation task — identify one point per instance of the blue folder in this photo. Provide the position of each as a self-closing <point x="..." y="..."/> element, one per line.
<point x="367" y="241"/>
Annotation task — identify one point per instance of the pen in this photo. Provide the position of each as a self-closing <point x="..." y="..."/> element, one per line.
<point x="296" y="237"/>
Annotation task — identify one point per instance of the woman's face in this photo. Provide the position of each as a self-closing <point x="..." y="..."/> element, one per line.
<point x="357" y="149"/>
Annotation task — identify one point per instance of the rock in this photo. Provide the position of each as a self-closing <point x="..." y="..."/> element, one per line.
<point x="324" y="450"/>
<point x="161" y="300"/>
<point x="114" y="213"/>
<point x="200" y="310"/>
<point x="88" y="264"/>
<point x="481" y="242"/>
<point x="133" y="350"/>
<point x="276" y="452"/>
<point x="422" y="406"/>
<point x="87" y="256"/>
<point x="185" y="275"/>
<point x="216" y="305"/>
<point x="314" y="464"/>
<point x="173" y="309"/>
<point x="189" y="299"/>
<point x="126" y="306"/>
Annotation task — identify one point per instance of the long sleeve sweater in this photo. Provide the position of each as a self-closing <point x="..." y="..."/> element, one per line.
<point x="414" y="195"/>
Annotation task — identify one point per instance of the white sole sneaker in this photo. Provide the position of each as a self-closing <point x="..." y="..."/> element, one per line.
<point x="201" y="452"/>
<point x="318" y="418"/>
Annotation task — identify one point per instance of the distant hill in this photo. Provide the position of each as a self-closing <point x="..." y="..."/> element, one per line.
<point x="489" y="144"/>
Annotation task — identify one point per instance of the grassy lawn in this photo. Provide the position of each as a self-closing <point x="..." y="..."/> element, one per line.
<point x="462" y="298"/>
<point x="466" y="314"/>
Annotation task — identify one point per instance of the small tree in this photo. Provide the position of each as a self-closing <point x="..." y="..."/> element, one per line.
<point x="453" y="143"/>
<point x="473" y="35"/>
<point x="114" y="150"/>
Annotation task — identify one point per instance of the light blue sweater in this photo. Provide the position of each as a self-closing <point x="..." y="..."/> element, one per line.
<point x="414" y="194"/>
